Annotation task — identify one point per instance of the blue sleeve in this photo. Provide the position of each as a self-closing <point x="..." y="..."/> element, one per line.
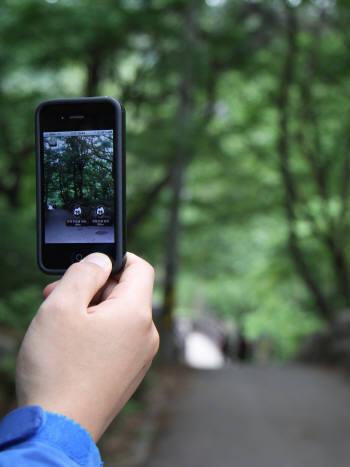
<point x="30" y="437"/>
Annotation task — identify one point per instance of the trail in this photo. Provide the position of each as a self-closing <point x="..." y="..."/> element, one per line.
<point x="250" y="416"/>
<point x="56" y="230"/>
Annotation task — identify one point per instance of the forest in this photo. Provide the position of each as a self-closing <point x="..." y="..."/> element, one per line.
<point x="78" y="168"/>
<point x="238" y="153"/>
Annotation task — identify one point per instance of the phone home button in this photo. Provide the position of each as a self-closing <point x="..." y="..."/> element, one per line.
<point x="76" y="257"/>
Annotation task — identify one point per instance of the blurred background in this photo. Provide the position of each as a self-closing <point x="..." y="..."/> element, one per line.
<point x="238" y="190"/>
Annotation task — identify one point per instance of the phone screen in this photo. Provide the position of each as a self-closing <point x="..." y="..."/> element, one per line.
<point x="78" y="186"/>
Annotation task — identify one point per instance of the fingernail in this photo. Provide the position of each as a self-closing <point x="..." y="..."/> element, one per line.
<point x="100" y="259"/>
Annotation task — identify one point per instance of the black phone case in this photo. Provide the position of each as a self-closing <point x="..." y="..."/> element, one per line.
<point x="120" y="174"/>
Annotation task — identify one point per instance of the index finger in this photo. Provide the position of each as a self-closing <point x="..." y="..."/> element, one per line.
<point x="49" y="288"/>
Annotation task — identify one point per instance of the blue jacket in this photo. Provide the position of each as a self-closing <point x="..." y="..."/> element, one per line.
<point x="30" y="437"/>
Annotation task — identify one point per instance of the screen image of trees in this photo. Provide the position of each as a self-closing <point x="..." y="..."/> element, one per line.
<point x="78" y="169"/>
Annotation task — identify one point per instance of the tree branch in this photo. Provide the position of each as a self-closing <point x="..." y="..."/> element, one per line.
<point x="148" y="201"/>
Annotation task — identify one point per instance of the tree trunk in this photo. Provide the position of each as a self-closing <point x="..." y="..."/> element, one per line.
<point x="94" y="66"/>
<point x="333" y="242"/>
<point x="290" y="192"/>
<point x="183" y="147"/>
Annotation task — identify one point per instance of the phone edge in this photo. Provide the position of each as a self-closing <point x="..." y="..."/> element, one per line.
<point x="119" y="264"/>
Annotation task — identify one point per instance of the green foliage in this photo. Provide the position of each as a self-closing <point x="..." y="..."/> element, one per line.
<point x="21" y="282"/>
<point x="285" y="325"/>
<point x="203" y="87"/>
<point x="18" y="307"/>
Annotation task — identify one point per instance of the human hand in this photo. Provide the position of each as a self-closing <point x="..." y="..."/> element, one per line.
<point x="90" y="343"/>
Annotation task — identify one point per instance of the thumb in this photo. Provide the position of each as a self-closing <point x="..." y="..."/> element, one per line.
<point x="82" y="281"/>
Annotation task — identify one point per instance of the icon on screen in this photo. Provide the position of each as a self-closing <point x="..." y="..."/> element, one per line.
<point x="100" y="210"/>
<point x="77" y="211"/>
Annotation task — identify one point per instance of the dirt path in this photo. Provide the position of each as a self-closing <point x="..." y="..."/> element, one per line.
<point x="257" y="417"/>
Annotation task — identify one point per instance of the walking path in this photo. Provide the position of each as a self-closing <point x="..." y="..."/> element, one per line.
<point x="252" y="416"/>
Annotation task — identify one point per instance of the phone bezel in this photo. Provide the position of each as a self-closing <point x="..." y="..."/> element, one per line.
<point x="100" y="113"/>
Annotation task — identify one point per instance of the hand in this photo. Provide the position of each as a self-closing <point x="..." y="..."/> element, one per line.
<point x="90" y="343"/>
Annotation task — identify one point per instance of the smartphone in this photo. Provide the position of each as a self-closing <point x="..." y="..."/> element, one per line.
<point x="80" y="155"/>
